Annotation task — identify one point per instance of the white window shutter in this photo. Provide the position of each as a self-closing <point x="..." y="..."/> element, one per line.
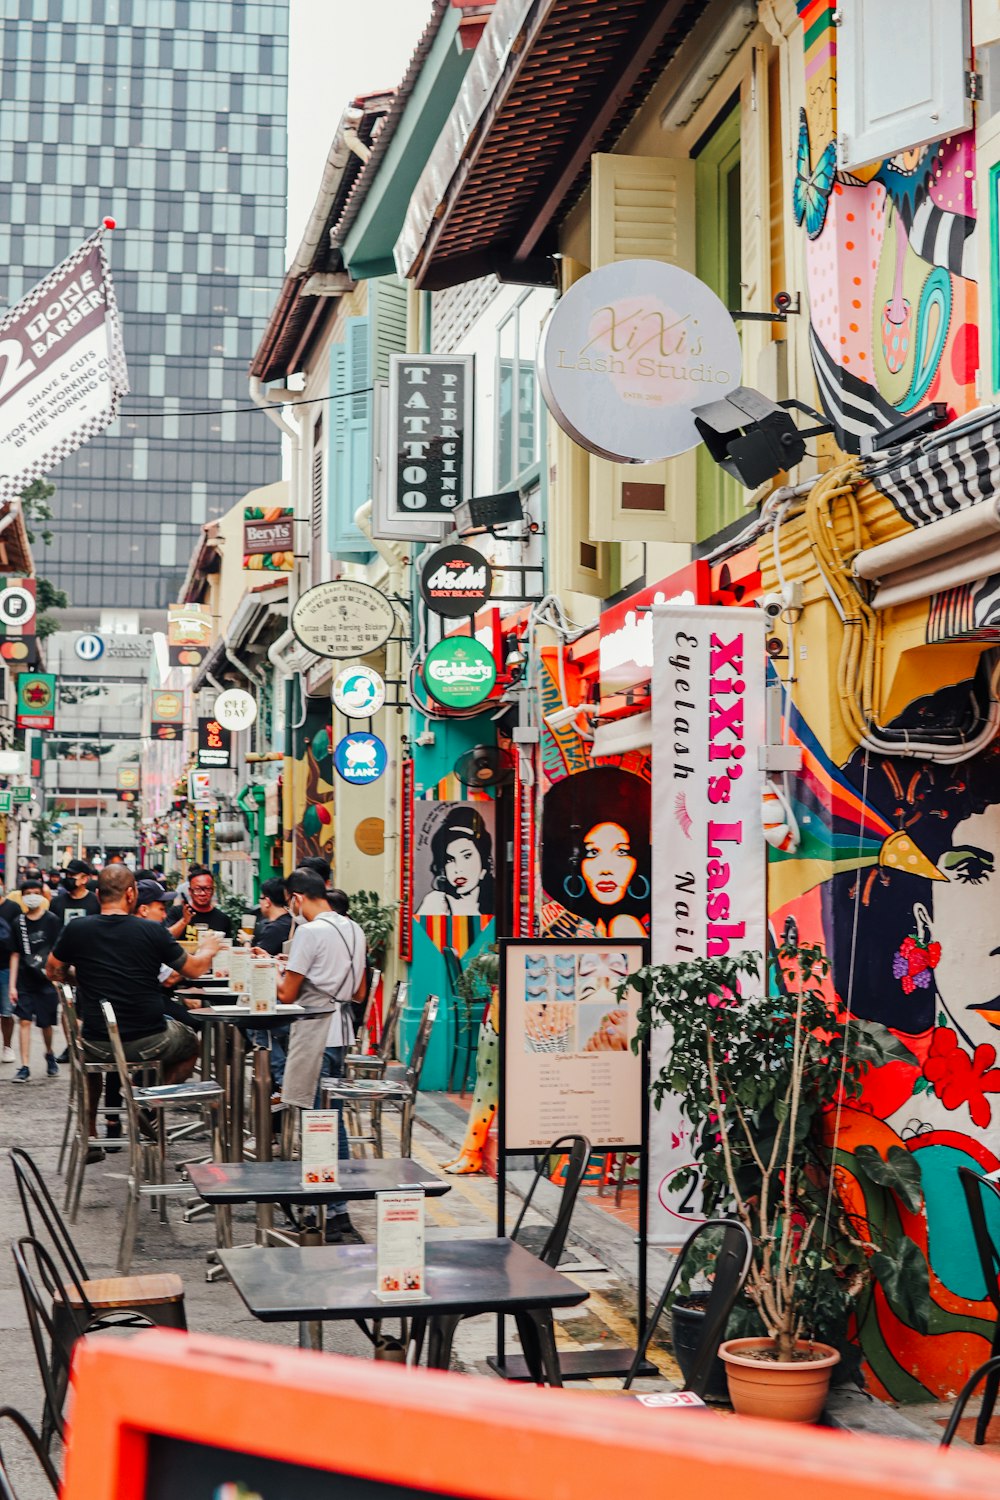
<point x="642" y="208"/>
<point x="901" y="76"/>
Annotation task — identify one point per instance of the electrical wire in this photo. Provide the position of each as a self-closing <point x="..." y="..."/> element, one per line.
<point x="224" y="411"/>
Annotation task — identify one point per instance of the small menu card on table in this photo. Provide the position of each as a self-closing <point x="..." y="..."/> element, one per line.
<point x="399" y="1253"/>
<point x="319" y="1147"/>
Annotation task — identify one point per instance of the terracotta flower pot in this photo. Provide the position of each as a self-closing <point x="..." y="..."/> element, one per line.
<point x="785" y="1390"/>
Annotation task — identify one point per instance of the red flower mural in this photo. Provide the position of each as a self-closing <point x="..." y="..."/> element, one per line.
<point x="958" y="1079"/>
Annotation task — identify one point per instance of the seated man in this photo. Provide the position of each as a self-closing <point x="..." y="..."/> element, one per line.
<point x="188" y="919"/>
<point x="117" y="958"/>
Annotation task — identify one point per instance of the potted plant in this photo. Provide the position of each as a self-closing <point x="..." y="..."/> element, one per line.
<point x="758" y="1067"/>
<point x="376" y="919"/>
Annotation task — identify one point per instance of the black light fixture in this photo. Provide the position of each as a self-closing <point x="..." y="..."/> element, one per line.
<point x="753" y="438"/>
<point x="482" y="513"/>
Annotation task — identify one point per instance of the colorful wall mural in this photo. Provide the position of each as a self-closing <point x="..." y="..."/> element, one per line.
<point x="309" y="828"/>
<point x="890" y="258"/>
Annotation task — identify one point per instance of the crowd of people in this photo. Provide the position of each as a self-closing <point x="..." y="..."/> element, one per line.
<point x="120" y="935"/>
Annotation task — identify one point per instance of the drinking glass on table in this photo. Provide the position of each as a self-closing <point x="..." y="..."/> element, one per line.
<point x="248" y="922"/>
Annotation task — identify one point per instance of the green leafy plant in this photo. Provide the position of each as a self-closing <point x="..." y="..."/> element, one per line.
<point x="758" y="1073"/>
<point x="480" y="975"/>
<point x="377" y="919"/>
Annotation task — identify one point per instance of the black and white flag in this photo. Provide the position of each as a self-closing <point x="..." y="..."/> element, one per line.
<point x="62" y="367"/>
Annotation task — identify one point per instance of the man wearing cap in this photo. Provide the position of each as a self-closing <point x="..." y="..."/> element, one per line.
<point x="75" y="898"/>
<point x="33" y="995"/>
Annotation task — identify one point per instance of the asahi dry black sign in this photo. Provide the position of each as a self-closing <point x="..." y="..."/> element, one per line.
<point x="430" y="434"/>
<point x="455" y="580"/>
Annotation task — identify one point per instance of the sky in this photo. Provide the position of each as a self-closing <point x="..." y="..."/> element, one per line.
<point x="337" y="49"/>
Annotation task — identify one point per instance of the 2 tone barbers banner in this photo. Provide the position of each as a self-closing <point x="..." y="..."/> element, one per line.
<point x="62" y="367"/>
<point x="709" y="854"/>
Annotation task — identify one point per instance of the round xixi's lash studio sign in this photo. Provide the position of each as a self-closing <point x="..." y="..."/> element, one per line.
<point x="628" y="352"/>
<point x="455" y="580"/>
<point x="343" y="619"/>
<point x="459" y="672"/>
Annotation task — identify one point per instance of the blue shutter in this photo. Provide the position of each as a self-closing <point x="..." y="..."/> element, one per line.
<point x="353" y="421"/>
<point x="336" y="434"/>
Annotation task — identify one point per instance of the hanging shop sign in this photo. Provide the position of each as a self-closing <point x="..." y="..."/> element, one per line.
<point x="360" y="758"/>
<point x="36" y="700"/>
<point x="626" y="629"/>
<point x="568" y="1064"/>
<point x="189" y="632"/>
<point x="235" y="709"/>
<point x="127" y="778"/>
<point x="627" y="353"/>
<point x="214" y="744"/>
<point x="459" y="672"/>
<point x="455" y="581"/>
<point x="343" y="619"/>
<point x="358" y="692"/>
<point x="88" y="647"/>
<point x="269" y="538"/>
<point x="17" y="606"/>
<point x="429" y="441"/>
<point x="64" y="367"/>
<point x="709" y="855"/>
<point x="200" y="788"/>
<point x="23" y="650"/>
<point x="166" y="716"/>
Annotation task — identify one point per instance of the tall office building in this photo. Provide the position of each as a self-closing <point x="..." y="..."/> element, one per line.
<point x="168" y="115"/>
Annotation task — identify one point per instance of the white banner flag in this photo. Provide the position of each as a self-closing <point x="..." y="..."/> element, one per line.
<point x="709" y="855"/>
<point x="62" y="367"/>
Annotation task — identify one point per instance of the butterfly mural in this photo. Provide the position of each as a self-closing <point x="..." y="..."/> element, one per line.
<point x="813" y="185"/>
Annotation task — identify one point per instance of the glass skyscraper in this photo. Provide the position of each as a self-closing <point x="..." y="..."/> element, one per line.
<point x="168" y="115"/>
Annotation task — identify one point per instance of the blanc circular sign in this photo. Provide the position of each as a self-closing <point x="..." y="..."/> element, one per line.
<point x="459" y="672"/>
<point x="627" y="353"/>
<point x="358" y="692"/>
<point x="360" y="758"/>
<point x="235" y="709"/>
<point x="87" y="647"/>
<point x="456" y="580"/>
<point x="342" y="619"/>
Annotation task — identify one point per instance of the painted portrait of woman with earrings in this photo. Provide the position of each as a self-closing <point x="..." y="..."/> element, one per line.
<point x="595" y="854"/>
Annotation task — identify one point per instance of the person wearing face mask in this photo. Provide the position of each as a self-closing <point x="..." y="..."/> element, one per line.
<point x="33" y="995"/>
<point x="75" y="898"/>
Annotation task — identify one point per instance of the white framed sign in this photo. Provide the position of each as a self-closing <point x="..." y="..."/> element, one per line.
<point x="398" y="527"/>
<point x="358" y="692"/>
<point x="709" y="854"/>
<point x="235" y="709"/>
<point x="567" y="1064"/>
<point x="343" y="619"/>
<point x="628" y="352"/>
<point x="428" y="455"/>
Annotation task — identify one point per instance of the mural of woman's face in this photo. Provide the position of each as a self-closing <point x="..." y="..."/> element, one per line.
<point x="966" y="925"/>
<point x="463" y="866"/>
<point x="607" y="865"/>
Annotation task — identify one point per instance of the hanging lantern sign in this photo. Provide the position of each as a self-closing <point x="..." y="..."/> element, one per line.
<point x="358" y="692"/>
<point x="456" y="581"/>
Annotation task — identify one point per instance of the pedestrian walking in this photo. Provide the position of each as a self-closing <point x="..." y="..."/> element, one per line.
<point x="9" y="911"/>
<point x="32" y="994"/>
<point x="324" y="973"/>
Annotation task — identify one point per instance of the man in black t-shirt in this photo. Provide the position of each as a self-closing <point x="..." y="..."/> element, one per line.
<point x="275" y="925"/>
<point x="117" y="958"/>
<point x="200" y="911"/>
<point x="75" y="898"/>
<point x="33" y="995"/>
<point x="8" y="913"/>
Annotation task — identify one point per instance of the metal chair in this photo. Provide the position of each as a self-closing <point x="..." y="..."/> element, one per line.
<point x="159" y="1298"/>
<point x="377" y="1093"/>
<point x="578" y="1148"/>
<point x="732" y="1266"/>
<point x="976" y="1189"/>
<point x="24" y="1427"/>
<point x="374" y="1064"/>
<point x="987" y="1371"/>
<point x="145" y="1176"/>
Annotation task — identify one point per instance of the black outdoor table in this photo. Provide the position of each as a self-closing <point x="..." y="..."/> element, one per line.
<point x="331" y="1283"/>
<point x="281" y="1181"/>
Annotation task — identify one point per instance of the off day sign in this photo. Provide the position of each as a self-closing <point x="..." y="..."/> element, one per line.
<point x="62" y="367"/>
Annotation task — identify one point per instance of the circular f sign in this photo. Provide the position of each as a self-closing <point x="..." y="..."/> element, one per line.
<point x="456" y="580"/>
<point x="235" y="709"/>
<point x="17" y="606"/>
<point x="628" y="352"/>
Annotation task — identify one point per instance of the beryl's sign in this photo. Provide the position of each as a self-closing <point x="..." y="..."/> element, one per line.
<point x="709" y="856"/>
<point x="626" y="629"/>
<point x="628" y="352"/>
<point x="430" y="434"/>
<point x="459" y="672"/>
<point x="62" y="367"/>
<point x="269" y="538"/>
<point x="455" y="581"/>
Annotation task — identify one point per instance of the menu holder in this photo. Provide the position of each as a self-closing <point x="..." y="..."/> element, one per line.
<point x="399" y="1249"/>
<point x="239" y="971"/>
<point x="320" y="1147"/>
<point x="263" y="985"/>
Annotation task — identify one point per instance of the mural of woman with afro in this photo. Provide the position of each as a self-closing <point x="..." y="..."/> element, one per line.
<point x="595" y="850"/>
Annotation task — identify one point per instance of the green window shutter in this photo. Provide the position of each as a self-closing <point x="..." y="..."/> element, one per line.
<point x="352" y="431"/>
<point x="387" y="313"/>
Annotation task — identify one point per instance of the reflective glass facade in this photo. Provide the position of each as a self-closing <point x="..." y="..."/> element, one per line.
<point x="168" y="115"/>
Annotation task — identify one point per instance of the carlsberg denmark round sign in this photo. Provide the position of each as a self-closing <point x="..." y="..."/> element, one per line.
<point x="626" y="354"/>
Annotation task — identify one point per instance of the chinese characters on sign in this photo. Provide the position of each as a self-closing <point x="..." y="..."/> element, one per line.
<point x="213" y="745"/>
<point x="343" y="619"/>
<point x="430" y="451"/>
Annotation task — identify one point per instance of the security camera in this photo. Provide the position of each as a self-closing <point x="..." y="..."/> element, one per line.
<point x="782" y="301"/>
<point x="772" y="605"/>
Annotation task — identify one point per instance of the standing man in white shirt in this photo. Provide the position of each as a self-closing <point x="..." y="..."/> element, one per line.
<point x="324" y="973"/>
